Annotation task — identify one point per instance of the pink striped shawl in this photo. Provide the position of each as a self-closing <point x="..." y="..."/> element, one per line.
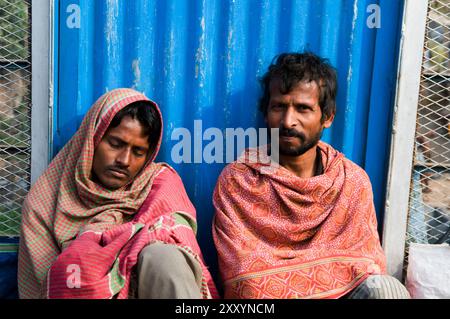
<point x="67" y="219"/>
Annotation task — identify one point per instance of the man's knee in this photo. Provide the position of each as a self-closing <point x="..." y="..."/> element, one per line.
<point x="164" y="271"/>
<point x="380" y="287"/>
<point x="162" y="259"/>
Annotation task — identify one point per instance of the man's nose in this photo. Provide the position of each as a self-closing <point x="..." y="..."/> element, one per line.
<point x="289" y="119"/>
<point x="124" y="157"/>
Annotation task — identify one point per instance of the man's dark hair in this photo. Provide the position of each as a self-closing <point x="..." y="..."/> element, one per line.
<point x="292" y="68"/>
<point x="147" y="116"/>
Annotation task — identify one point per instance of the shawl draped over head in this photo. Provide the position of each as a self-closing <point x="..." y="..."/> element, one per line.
<point x="80" y="240"/>
<point x="281" y="236"/>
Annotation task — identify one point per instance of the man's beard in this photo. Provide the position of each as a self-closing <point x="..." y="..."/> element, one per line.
<point x="306" y="144"/>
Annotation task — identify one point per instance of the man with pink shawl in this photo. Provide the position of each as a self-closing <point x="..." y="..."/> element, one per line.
<point x="303" y="225"/>
<point x="105" y="220"/>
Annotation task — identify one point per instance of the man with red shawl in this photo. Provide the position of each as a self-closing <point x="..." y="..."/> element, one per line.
<point x="105" y="220"/>
<point x="305" y="228"/>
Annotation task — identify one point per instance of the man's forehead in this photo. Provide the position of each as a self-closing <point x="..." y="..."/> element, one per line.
<point x="128" y="129"/>
<point x="278" y="86"/>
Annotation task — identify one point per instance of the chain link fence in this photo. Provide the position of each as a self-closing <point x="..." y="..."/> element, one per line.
<point x="15" y="111"/>
<point x="429" y="202"/>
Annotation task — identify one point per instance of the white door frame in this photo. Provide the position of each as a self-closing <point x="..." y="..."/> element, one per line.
<point x="42" y="30"/>
<point x="403" y="133"/>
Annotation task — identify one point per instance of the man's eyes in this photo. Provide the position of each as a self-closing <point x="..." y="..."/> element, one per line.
<point x="299" y="107"/>
<point x="139" y="153"/>
<point x="114" y="144"/>
<point x="302" y="107"/>
<point x="277" y="106"/>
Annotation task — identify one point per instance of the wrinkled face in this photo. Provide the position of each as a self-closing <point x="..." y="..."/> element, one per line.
<point x="121" y="154"/>
<point x="298" y="116"/>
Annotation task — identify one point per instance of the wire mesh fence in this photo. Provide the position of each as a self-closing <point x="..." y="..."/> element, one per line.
<point x="15" y="111"/>
<point x="429" y="202"/>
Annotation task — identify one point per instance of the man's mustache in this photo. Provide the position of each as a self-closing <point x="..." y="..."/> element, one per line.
<point x="291" y="133"/>
<point x="119" y="169"/>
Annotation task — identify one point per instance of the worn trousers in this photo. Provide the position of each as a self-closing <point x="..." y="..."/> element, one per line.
<point x="379" y="287"/>
<point x="165" y="271"/>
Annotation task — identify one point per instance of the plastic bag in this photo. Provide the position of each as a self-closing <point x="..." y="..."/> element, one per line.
<point x="428" y="274"/>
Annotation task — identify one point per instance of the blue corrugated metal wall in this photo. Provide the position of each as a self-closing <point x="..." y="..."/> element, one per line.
<point x="201" y="60"/>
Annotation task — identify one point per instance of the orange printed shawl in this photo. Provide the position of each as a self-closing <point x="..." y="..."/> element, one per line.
<point x="71" y="223"/>
<point x="282" y="236"/>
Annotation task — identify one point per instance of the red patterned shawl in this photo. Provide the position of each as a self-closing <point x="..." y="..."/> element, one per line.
<point x="282" y="236"/>
<point x="69" y="221"/>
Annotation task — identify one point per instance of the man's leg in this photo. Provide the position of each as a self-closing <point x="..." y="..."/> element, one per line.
<point x="379" y="287"/>
<point x="166" y="272"/>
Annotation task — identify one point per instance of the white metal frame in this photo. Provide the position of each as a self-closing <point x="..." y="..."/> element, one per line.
<point x="402" y="139"/>
<point x="41" y="85"/>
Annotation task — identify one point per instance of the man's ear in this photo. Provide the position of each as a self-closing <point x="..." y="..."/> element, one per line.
<point x="328" y="121"/>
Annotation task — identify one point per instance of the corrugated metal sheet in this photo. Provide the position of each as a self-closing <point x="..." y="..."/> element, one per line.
<point x="201" y="60"/>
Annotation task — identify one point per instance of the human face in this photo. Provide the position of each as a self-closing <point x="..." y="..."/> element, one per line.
<point x="298" y="116"/>
<point x="121" y="154"/>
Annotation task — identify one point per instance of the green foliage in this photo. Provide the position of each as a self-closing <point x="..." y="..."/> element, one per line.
<point x="15" y="37"/>
<point x="10" y="222"/>
<point x="14" y="29"/>
<point x="441" y="6"/>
